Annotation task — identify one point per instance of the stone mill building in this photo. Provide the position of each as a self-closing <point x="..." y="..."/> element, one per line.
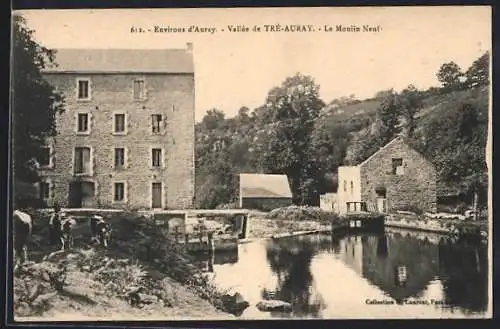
<point x="126" y="137"/>
<point x="396" y="177"/>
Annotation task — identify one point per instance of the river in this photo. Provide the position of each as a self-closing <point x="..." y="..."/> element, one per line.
<point x="396" y="274"/>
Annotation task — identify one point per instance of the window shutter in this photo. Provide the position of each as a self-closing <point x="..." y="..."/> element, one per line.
<point x="90" y="122"/>
<point x="75" y="120"/>
<point x="126" y="165"/>
<point x="51" y="190"/>
<point x="91" y="161"/>
<point x="163" y="158"/>
<point x="164" y="125"/>
<point x="126" y="192"/>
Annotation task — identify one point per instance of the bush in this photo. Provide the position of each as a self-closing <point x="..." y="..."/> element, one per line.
<point x="140" y="238"/>
<point x="304" y="213"/>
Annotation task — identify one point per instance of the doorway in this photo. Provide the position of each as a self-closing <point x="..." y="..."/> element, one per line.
<point x="381" y="199"/>
<point x="81" y="194"/>
<point x="156" y="196"/>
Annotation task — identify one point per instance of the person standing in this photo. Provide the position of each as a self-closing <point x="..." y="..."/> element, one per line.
<point x="55" y="226"/>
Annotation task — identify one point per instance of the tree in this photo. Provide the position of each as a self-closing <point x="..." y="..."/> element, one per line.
<point x="287" y="122"/>
<point x="387" y="118"/>
<point x="213" y="119"/>
<point x="35" y="103"/>
<point x="478" y="74"/>
<point x="410" y="101"/>
<point x="450" y="75"/>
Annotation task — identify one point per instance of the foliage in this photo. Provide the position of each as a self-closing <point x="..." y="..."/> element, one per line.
<point x="283" y="143"/>
<point x="35" y="103"/>
<point x="451" y="76"/>
<point x="295" y="133"/>
<point x="303" y="213"/>
<point x="478" y="73"/>
<point x="139" y="238"/>
<point x="36" y="283"/>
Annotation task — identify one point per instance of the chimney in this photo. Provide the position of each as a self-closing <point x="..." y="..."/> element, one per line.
<point x="189" y="47"/>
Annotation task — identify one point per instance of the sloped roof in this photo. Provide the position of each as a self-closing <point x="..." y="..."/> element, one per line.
<point x="123" y="61"/>
<point x="264" y="186"/>
<point x="398" y="138"/>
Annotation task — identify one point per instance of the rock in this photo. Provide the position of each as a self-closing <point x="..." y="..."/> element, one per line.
<point x="110" y="263"/>
<point x="148" y="299"/>
<point x="234" y="304"/>
<point x="72" y="256"/>
<point x="274" y="306"/>
<point x="123" y="262"/>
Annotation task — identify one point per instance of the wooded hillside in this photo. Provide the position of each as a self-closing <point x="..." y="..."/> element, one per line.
<point x="298" y="134"/>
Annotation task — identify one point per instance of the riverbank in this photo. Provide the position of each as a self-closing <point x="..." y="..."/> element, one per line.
<point x="142" y="274"/>
<point x="94" y="295"/>
<point x="458" y="229"/>
<point x="291" y="221"/>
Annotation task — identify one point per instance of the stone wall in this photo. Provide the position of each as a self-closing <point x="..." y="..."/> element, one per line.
<point x="415" y="188"/>
<point x="172" y="96"/>
<point x="265" y="204"/>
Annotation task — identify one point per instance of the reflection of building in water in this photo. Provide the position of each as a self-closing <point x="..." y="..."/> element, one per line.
<point x="351" y="252"/>
<point x="400" y="266"/>
<point x="206" y="261"/>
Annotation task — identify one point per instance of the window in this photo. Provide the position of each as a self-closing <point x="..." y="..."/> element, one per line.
<point x="397" y="166"/>
<point x="119" y="123"/>
<point x="119" y="192"/>
<point x="83" y="123"/>
<point x="119" y="157"/>
<point x="82" y="160"/>
<point x="139" y="89"/>
<point x="352" y="187"/>
<point x="44" y="190"/>
<point x="345" y="186"/>
<point x="44" y="159"/>
<point x="83" y="88"/>
<point x="156" y="123"/>
<point x="156" y="157"/>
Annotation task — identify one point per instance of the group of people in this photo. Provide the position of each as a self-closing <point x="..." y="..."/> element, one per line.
<point x="60" y="231"/>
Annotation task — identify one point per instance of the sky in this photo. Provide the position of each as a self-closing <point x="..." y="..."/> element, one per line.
<point x="235" y="69"/>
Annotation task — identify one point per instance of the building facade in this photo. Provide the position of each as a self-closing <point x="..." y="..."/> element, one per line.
<point x="396" y="177"/>
<point x="126" y="137"/>
<point x="264" y="191"/>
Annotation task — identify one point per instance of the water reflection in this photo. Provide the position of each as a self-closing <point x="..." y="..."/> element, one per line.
<point x="291" y="260"/>
<point x="313" y="274"/>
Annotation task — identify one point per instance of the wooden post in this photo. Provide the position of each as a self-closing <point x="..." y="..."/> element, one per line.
<point x="211" y="245"/>
<point x="186" y="238"/>
<point x="475" y="205"/>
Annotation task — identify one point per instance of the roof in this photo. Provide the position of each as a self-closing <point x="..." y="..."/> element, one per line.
<point x="381" y="149"/>
<point x="123" y="61"/>
<point x="264" y="186"/>
<point x="398" y="138"/>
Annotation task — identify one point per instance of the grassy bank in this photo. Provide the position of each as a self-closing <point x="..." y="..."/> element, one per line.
<point x="141" y="274"/>
<point x="290" y="220"/>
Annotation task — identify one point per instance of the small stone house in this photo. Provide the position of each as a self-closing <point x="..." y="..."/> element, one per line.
<point x="396" y="177"/>
<point x="264" y="191"/>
